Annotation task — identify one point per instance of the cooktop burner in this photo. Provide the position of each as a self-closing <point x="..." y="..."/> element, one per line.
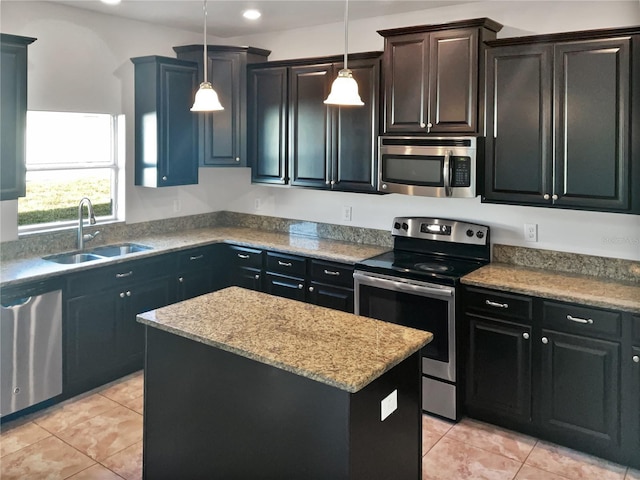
<point x="433" y="267"/>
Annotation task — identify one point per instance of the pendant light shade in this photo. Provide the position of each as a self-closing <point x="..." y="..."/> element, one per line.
<point x="344" y="90"/>
<point x="206" y="99"/>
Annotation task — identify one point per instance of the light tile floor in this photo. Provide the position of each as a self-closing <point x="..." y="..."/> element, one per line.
<point x="98" y="436"/>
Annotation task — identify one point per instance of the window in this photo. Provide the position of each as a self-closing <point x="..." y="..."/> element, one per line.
<point x="69" y="156"/>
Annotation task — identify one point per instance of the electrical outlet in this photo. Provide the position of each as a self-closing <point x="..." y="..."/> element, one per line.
<point x="388" y="405"/>
<point x="531" y="232"/>
<point x="257" y="203"/>
<point x="346" y="213"/>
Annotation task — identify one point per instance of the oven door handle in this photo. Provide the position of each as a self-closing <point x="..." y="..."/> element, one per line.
<point x="399" y="286"/>
<point x="446" y="173"/>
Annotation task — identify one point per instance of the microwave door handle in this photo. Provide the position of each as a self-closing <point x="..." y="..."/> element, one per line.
<point x="446" y="173"/>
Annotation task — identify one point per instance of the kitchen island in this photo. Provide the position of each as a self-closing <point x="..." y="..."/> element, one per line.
<point x="241" y="384"/>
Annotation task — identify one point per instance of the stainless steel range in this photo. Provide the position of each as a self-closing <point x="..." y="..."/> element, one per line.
<point x="415" y="285"/>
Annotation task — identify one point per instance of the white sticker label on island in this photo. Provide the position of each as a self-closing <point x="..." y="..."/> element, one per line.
<point x="388" y="405"/>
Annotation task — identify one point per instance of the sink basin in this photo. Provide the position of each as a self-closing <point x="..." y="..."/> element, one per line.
<point x="119" y="249"/>
<point x="98" y="253"/>
<point x="69" y="258"/>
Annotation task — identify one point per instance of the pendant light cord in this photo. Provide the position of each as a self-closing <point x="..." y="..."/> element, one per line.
<point x="204" y="7"/>
<point x="346" y="35"/>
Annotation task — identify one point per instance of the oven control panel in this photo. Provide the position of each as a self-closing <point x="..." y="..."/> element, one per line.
<point x="440" y="229"/>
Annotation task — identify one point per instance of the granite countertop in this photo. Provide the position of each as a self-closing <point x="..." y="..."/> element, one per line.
<point x="568" y="287"/>
<point x="330" y="346"/>
<point x="35" y="268"/>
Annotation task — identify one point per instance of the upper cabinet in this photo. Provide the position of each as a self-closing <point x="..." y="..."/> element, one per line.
<point x="294" y="138"/>
<point x="222" y="133"/>
<point x="13" y="114"/>
<point x="562" y="124"/>
<point x="433" y="77"/>
<point x="166" y="139"/>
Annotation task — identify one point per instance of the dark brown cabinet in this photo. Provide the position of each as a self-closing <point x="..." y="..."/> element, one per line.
<point x="554" y="370"/>
<point x="326" y="147"/>
<point x="559" y="122"/>
<point x="433" y="81"/>
<point x="166" y="134"/>
<point x="222" y="134"/>
<point x="13" y="114"/>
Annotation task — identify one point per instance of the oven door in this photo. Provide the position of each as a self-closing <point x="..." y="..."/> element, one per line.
<point x="419" y="305"/>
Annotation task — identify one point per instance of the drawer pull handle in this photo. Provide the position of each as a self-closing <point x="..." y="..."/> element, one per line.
<point x="329" y="272"/>
<point x="284" y="264"/>
<point x="636" y="359"/>
<point x="197" y="257"/>
<point x="243" y="256"/>
<point x="124" y="275"/>
<point x="496" y="304"/>
<point x="580" y="320"/>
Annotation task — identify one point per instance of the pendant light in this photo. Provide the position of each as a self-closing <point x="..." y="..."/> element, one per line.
<point x="344" y="90"/>
<point x="206" y="97"/>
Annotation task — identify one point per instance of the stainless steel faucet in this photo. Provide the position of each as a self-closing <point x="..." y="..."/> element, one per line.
<point x="82" y="237"/>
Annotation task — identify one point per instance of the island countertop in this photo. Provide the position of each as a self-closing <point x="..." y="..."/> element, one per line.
<point x="339" y="349"/>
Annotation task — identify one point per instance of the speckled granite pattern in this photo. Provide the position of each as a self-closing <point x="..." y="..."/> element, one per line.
<point x="333" y="347"/>
<point x="603" y="267"/>
<point x="34" y="268"/>
<point x="569" y="287"/>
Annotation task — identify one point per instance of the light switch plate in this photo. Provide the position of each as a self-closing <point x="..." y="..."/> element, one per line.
<point x="388" y="405"/>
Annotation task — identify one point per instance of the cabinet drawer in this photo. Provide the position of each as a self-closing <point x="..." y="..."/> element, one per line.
<point x="114" y="275"/>
<point x="332" y="273"/>
<point x="285" y="286"/>
<point x="500" y="304"/>
<point x="246" y="257"/>
<point x="286" y="264"/>
<point x="582" y="320"/>
<point x="195" y="259"/>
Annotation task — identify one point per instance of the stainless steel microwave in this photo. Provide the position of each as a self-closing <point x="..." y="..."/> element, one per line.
<point x="426" y="166"/>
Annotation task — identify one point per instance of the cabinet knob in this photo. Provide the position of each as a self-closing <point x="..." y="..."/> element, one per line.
<point x="423" y="125"/>
<point x="164" y="179"/>
<point x="525" y="335"/>
<point x="257" y="277"/>
<point x="546" y="196"/>
<point x="311" y="290"/>
<point x="545" y="340"/>
<point x="237" y="159"/>
<point x="300" y="286"/>
<point x="384" y="186"/>
<point x="128" y="293"/>
<point x="180" y="279"/>
<point x="554" y="197"/>
<point x="121" y="294"/>
<point x="636" y="359"/>
<point x="333" y="182"/>
<point x="327" y="182"/>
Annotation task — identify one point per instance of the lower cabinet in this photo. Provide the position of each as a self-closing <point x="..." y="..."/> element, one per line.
<point x="200" y="270"/>
<point x="555" y="370"/>
<point x="103" y="340"/>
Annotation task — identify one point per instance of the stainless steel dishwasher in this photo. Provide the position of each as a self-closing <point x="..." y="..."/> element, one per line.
<point x="30" y="346"/>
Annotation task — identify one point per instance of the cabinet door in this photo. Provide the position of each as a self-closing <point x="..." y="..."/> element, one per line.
<point x="140" y="297"/>
<point x="453" y="81"/>
<point x="499" y="369"/>
<point x="309" y="126"/>
<point x="13" y="115"/>
<point x="355" y="157"/>
<point x="91" y="338"/>
<point x="519" y="141"/>
<point x="267" y="124"/>
<point x="406" y="63"/>
<point x="177" y="128"/>
<point x="338" y="298"/>
<point x="221" y="136"/>
<point x="580" y="390"/>
<point x="592" y="158"/>
<point x="194" y="283"/>
<point x="246" y="277"/>
<point x="284" y="286"/>
<point x="633" y="407"/>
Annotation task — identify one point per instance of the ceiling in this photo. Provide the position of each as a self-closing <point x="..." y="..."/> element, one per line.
<point x="224" y="17"/>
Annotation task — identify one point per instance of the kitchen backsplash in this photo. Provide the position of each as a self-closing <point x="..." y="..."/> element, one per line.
<point x="604" y="267"/>
<point x="36" y="244"/>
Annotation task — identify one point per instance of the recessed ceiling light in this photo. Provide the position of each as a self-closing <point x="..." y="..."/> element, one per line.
<point x="251" y="14"/>
<point x="111" y="2"/>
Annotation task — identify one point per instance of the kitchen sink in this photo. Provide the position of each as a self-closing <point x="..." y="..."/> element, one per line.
<point x="119" y="249"/>
<point x="69" y="258"/>
<point x="97" y="253"/>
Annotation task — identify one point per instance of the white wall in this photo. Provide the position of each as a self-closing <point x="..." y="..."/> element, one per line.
<point x="63" y="77"/>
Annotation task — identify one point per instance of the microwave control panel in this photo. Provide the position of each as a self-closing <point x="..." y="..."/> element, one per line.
<point x="461" y="172"/>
